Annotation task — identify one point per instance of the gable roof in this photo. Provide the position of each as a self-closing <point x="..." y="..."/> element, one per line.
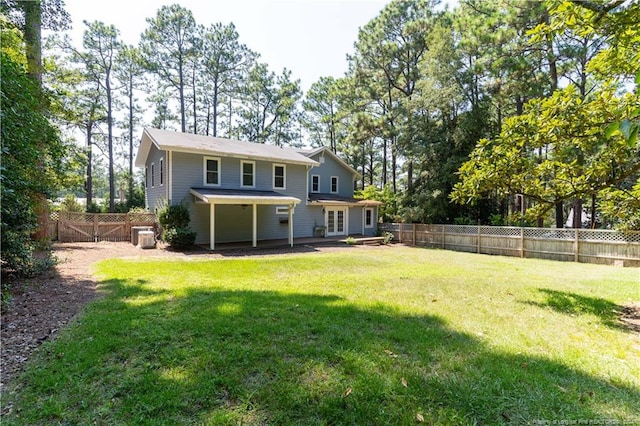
<point x="326" y="150"/>
<point x="168" y="140"/>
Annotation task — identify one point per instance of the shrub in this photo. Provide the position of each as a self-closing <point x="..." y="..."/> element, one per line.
<point x="180" y="238"/>
<point x="351" y="241"/>
<point x="387" y="237"/>
<point x="174" y="216"/>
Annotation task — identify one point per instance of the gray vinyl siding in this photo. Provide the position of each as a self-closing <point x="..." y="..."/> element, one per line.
<point x="157" y="194"/>
<point x="332" y="168"/>
<point x="233" y="223"/>
<point x="355" y="220"/>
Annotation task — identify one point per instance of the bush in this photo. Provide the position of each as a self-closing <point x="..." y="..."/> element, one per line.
<point x="174" y="216"/>
<point x="180" y="238"/>
<point x="387" y="237"/>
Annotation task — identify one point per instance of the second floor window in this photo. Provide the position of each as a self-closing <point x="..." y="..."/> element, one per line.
<point x="211" y="171"/>
<point x="153" y="175"/>
<point x="161" y="171"/>
<point x="334" y="184"/>
<point x="315" y="183"/>
<point x="279" y="176"/>
<point x="247" y="173"/>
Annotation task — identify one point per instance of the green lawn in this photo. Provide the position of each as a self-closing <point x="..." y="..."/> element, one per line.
<point x="362" y="336"/>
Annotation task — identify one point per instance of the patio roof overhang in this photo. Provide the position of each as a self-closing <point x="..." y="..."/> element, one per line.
<point x="217" y="196"/>
<point x="240" y="197"/>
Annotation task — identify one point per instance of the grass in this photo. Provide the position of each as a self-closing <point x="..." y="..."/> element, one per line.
<point x="377" y="336"/>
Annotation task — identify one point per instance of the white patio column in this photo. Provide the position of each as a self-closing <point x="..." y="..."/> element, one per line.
<point x="212" y="226"/>
<point x="291" y="225"/>
<point x="255" y="225"/>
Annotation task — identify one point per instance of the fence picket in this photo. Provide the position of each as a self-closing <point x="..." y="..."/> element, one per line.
<point x="579" y="245"/>
<point x="93" y="227"/>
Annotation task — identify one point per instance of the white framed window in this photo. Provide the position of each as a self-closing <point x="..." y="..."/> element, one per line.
<point x="282" y="210"/>
<point x="368" y="217"/>
<point x="334" y="184"/>
<point x="153" y="175"/>
<point x="146" y="177"/>
<point x="211" y="171"/>
<point x="161" y="164"/>
<point x="247" y="174"/>
<point x="279" y="176"/>
<point x="315" y="183"/>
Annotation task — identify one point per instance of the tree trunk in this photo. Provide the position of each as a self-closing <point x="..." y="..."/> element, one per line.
<point x="112" y="182"/>
<point x="215" y="107"/>
<point x="559" y="215"/>
<point x="130" y="197"/>
<point x="195" y="106"/>
<point x="89" y="182"/>
<point x="183" y="120"/>
<point x="33" y="47"/>
<point x="577" y="213"/>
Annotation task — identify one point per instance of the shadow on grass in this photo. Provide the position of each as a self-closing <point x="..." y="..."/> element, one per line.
<point x="575" y="304"/>
<point x="263" y="357"/>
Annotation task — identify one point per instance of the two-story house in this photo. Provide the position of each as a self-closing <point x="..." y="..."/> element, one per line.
<point x="243" y="191"/>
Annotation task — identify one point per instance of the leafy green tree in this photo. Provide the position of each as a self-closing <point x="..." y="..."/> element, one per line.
<point x="321" y="105"/>
<point x="101" y="48"/>
<point x="269" y="112"/>
<point x="167" y="46"/>
<point x="29" y="142"/>
<point x="129" y="72"/>
<point x="226" y="63"/>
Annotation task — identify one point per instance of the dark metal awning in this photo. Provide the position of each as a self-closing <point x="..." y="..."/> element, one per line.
<point x="336" y="200"/>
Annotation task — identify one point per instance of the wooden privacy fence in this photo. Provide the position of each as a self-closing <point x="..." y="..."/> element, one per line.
<point x="579" y="245"/>
<point x="93" y="227"/>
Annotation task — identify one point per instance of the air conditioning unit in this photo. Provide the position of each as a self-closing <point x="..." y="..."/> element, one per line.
<point x="146" y="240"/>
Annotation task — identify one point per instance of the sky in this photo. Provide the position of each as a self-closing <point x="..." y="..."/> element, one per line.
<point x="309" y="37"/>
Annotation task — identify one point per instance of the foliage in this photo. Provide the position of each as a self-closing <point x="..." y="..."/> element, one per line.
<point x="389" y="210"/>
<point x="351" y="241"/>
<point x="32" y="156"/>
<point x="174" y="216"/>
<point x="174" y="219"/>
<point x="71" y="204"/>
<point x="387" y="238"/>
<point x="179" y="238"/>
<point x="578" y="143"/>
<point x="459" y="338"/>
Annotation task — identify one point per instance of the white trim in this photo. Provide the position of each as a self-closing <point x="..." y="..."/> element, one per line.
<point x="331" y="185"/>
<point x="161" y="171"/>
<point x="284" y="177"/>
<point x="169" y="175"/>
<point x="245" y="199"/>
<point x="282" y="210"/>
<point x="153" y="179"/>
<point x="204" y="171"/>
<point x="318" y="189"/>
<point x="345" y="223"/>
<point x="254" y="220"/>
<point x="365" y="210"/>
<point x="253" y="174"/>
<point x="212" y="226"/>
<point x="326" y="151"/>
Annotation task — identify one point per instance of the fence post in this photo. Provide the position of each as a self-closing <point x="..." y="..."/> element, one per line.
<point x="400" y="232"/>
<point x="127" y="227"/>
<point x="479" y="244"/>
<point x="444" y="235"/>
<point x="95" y="227"/>
<point x="521" y="242"/>
<point x="576" y="246"/>
<point x="414" y="234"/>
<point x="60" y="221"/>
